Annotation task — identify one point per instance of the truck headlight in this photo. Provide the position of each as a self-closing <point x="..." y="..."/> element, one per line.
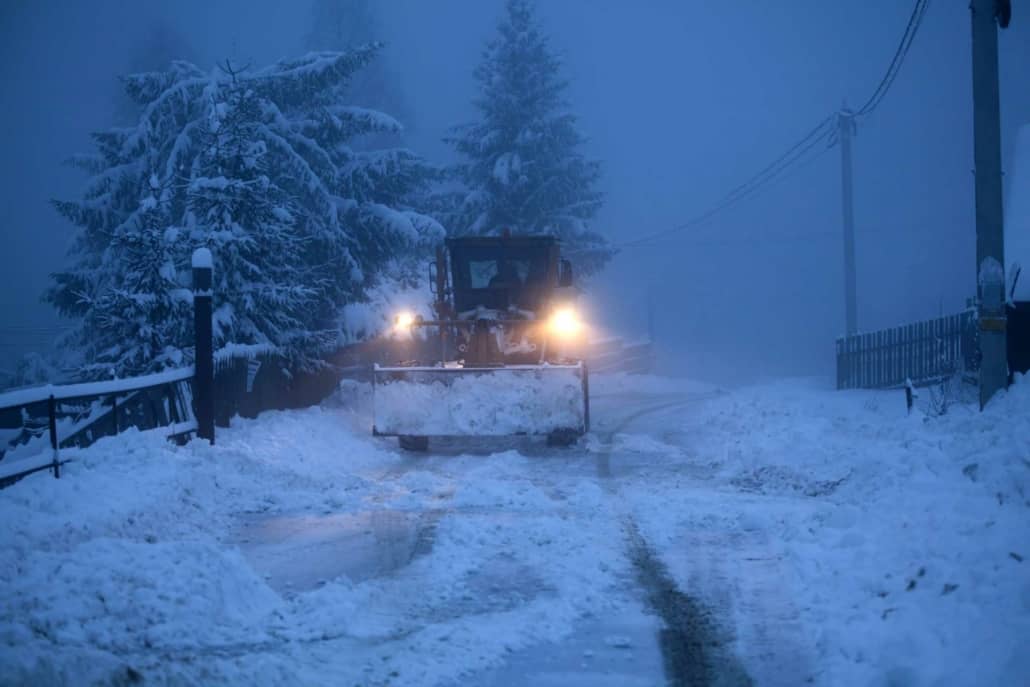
<point x="565" y="323"/>
<point x="404" y="321"/>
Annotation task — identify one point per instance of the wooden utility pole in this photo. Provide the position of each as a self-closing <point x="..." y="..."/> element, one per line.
<point x="990" y="244"/>
<point x="845" y="127"/>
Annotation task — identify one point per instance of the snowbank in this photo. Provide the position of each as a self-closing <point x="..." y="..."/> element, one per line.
<point x="123" y="565"/>
<point x="130" y="566"/>
<point x="853" y="543"/>
<point x="839" y="540"/>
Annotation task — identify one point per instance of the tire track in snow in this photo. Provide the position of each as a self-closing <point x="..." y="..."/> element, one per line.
<point x="692" y="643"/>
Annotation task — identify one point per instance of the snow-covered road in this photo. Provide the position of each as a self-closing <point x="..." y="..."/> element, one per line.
<point x="776" y="535"/>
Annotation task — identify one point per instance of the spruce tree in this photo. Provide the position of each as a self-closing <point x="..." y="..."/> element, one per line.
<point x="134" y="312"/>
<point x="257" y="166"/>
<point x="237" y="201"/>
<point x="521" y="165"/>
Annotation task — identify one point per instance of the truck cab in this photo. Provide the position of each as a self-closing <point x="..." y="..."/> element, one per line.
<point x="503" y="294"/>
<point x="505" y="274"/>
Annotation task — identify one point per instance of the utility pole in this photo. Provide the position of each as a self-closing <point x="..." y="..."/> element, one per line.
<point x="846" y="127"/>
<point x="990" y="244"/>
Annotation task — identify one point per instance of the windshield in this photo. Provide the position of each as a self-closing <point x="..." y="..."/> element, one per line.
<point x="482" y="278"/>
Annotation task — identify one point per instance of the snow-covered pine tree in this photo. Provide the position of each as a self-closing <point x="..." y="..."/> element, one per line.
<point x="521" y="166"/>
<point x="138" y="318"/>
<point x="256" y="166"/>
<point x="236" y="200"/>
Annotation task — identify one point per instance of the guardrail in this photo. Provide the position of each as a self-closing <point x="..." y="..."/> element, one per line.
<point x="920" y="352"/>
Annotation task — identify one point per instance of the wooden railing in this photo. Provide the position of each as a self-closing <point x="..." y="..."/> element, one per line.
<point x="181" y="400"/>
<point x="921" y="352"/>
<point x="38" y="422"/>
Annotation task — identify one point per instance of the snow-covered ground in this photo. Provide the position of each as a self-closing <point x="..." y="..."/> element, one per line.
<point x="777" y="535"/>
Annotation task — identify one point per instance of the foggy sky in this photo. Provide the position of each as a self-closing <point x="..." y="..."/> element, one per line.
<point x="682" y="101"/>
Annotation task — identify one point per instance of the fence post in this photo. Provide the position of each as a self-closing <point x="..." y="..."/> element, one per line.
<point x="52" y="412"/>
<point x="204" y="375"/>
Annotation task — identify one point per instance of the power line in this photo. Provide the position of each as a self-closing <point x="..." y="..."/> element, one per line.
<point x="808" y="237"/>
<point x="914" y="21"/>
<point x="823" y="132"/>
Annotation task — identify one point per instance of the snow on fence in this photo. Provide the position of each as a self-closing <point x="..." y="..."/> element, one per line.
<point x="37" y="422"/>
<point x="922" y="352"/>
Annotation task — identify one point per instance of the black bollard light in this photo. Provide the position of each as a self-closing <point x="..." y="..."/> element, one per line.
<point x="204" y="375"/>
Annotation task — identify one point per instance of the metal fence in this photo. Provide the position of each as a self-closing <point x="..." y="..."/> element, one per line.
<point x="921" y="352"/>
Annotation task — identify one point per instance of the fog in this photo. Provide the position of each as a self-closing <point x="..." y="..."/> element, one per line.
<point x="680" y="101"/>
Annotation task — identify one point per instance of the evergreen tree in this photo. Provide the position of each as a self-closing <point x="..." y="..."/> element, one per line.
<point x="140" y="314"/>
<point x="255" y="165"/>
<point x="521" y="167"/>
<point x="247" y="218"/>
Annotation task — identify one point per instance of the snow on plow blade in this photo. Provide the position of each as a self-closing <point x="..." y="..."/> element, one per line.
<point x="480" y="401"/>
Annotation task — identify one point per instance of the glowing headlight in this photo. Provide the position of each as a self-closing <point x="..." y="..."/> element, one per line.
<point x="565" y="323"/>
<point x="404" y="321"/>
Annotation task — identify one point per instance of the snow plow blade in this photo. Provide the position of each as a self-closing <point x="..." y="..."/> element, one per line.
<point x="481" y="401"/>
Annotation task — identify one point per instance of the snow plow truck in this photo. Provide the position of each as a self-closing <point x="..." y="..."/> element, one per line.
<point x="501" y="354"/>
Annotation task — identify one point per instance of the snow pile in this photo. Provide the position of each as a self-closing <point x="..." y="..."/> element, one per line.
<point x="850" y="543"/>
<point x="132" y="566"/>
<point x="123" y="563"/>
<point x="828" y="537"/>
<point x="510" y="400"/>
